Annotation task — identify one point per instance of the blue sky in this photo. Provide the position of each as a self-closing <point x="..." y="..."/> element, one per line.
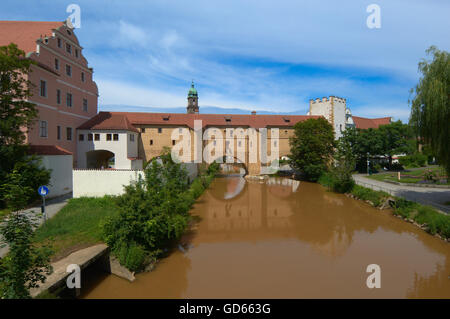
<point x="252" y="54"/>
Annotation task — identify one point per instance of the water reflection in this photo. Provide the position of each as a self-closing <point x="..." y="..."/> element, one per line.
<point x="290" y="239"/>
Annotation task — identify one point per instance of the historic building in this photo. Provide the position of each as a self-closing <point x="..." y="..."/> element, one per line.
<point x="335" y="110"/>
<point x="134" y="138"/>
<point x="126" y="140"/>
<point x="64" y="91"/>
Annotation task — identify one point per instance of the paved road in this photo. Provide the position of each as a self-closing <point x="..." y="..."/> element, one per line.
<point x="52" y="207"/>
<point x="436" y="197"/>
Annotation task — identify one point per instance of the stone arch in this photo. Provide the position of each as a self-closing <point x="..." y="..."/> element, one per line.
<point x="100" y="159"/>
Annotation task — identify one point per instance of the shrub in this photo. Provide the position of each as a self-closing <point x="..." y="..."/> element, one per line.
<point x="132" y="256"/>
<point x="414" y="160"/>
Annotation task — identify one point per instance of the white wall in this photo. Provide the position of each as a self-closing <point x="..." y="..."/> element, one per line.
<point x="61" y="175"/>
<point x="122" y="148"/>
<point x="97" y="183"/>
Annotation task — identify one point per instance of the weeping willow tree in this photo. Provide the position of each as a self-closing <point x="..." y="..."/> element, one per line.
<point x="430" y="106"/>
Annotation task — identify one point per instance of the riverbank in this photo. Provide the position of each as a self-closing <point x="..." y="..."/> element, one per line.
<point x="424" y="217"/>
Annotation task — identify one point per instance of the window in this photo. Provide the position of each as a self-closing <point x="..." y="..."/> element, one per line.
<point x="43" y="128"/>
<point x="76" y="53"/>
<point x="68" y="70"/>
<point x="69" y="100"/>
<point x="151" y="142"/>
<point x="85" y="105"/>
<point x="59" y="43"/>
<point x="68" y="48"/>
<point x="173" y="142"/>
<point x="131" y="137"/>
<point x="275" y="143"/>
<point x="180" y="130"/>
<point x="69" y="133"/>
<point x="116" y="137"/>
<point x="81" y="137"/>
<point x="82" y="76"/>
<point x="56" y="64"/>
<point x="159" y="130"/>
<point x="240" y="143"/>
<point x="58" y="96"/>
<point x="43" y="88"/>
<point x="108" y="137"/>
<point x="142" y="130"/>
<point x="90" y="137"/>
<point x="58" y="132"/>
<point x="97" y="137"/>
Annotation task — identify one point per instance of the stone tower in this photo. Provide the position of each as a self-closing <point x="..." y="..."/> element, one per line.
<point x="192" y="107"/>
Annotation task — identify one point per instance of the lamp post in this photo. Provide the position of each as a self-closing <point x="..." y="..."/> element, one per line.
<point x="368" y="164"/>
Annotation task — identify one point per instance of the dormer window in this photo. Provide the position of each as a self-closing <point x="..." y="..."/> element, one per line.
<point x="286" y="120"/>
<point x="227" y="119"/>
<point x="166" y="118"/>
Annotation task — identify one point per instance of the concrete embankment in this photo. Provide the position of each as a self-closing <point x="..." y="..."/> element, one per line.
<point x="98" y="255"/>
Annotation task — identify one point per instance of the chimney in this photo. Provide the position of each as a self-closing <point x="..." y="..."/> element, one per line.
<point x="253" y="112"/>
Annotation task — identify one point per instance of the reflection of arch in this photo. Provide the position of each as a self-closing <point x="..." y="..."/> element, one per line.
<point x="232" y="167"/>
<point x="99" y="159"/>
<point x="232" y="189"/>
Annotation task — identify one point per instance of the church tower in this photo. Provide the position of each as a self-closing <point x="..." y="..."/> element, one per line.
<point x="192" y="98"/>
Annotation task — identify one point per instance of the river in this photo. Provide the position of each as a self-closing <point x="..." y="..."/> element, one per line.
<point x="289" y="239"/>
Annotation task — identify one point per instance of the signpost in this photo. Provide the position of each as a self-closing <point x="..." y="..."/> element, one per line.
<point x="43" y="191"/>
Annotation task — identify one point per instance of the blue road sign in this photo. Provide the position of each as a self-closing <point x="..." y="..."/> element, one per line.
<point x="43" y="190"/>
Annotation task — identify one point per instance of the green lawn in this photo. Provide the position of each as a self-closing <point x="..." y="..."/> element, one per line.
<point x="412" y="176"/>
<point x="77" y="225"/>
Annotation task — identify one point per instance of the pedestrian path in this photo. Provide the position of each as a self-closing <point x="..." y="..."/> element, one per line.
<point x="436" y="197"/>
<point x="52" y="207"/>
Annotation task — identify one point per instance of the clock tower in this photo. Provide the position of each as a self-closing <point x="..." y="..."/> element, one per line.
<point x="192" y="98"/>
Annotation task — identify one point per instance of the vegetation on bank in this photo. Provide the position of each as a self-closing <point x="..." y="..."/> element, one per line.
<point x="153" y="212"/>
<point x="431" y="220"/>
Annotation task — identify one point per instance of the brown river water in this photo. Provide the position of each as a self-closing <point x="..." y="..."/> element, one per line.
<point x="289" y="239"/>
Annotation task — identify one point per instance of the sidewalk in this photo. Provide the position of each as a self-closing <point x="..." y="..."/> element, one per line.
<point x="52" y="207"/>
<point x="436" y="197"/>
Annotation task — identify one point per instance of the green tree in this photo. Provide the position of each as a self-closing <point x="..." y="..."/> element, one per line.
<point x="430" y="107"/>
<point x="340" y="174"/>
<point x="15" y="115"/>
<point x="395" y="139"/>
<point x="312" y="147"/>
<point x="25" y="265"/>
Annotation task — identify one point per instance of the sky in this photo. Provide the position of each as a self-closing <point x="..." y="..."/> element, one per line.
<point x="251" y="54"/>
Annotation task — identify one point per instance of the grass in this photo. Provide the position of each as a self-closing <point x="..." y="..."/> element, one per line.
<point x="4" y="213"/>
<point x="77" y="225"/>
<point x="412" y="176"/>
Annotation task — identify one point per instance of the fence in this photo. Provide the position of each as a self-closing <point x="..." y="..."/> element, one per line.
<point x="375" y="187"/>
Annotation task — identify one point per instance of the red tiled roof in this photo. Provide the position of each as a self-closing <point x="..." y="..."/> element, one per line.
<point x="122" y="120"/>
<point x="108" y="121"/>
<point x="25" y="33"/>
<point x="365" y="123"/>
<point x="48" y="150"/>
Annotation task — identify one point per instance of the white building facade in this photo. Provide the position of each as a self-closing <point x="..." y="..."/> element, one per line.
<point x="102" y="149"/>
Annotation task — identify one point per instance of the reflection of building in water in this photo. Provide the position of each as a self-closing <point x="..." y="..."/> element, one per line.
<point x="262" y="206"/>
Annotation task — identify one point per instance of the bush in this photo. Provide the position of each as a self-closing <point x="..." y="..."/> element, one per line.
<point x="153" y="212"/>
<point x="414" y="160"/>
<point x="131" y="256"/>
<point x="436" y="222"/>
